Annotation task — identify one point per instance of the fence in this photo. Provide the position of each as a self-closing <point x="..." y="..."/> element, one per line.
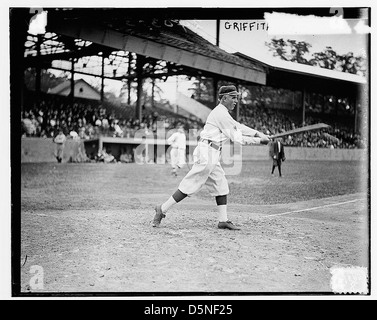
<point x="42" y="150"/>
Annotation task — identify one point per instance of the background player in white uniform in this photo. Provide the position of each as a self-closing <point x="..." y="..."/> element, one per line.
<point x="59" y="140"/>
<point x="207" y="170"/>
<point x="178" y="149"/>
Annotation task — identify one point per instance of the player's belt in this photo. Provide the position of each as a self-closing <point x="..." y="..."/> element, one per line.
<point x="212" y="144"/>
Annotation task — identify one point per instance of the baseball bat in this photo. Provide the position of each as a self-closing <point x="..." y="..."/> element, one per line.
<point x="330" y="137"/>
<point x="312" y="127"/>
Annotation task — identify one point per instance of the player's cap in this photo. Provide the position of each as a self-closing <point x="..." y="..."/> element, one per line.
<point x="230" y="90"/>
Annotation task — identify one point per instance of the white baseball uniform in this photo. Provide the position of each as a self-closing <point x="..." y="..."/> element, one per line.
<point x="178" y="151"/>
<point x="59" y="140"/>
<point x="207" y="170"/>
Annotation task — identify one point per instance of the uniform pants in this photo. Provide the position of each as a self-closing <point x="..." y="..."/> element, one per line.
<point x="206" y="170"/>
<point x="177" y="157"/>
<point x="59" y="150"/>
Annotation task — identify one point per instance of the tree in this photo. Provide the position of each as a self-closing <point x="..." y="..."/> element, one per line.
<point x="351" y="64"/>
<point x="278" y="48"/>
<point x="298" y="51"/>
<point x="327" y="59"/>
<point x="290" y="50"/>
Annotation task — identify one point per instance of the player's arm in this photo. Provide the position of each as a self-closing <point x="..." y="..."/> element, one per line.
<point x="232" y="130"/>
<point x="227" y="126"/>
<point x="171" y="139"/>
<point x="248" y="135"/>
<point x="247" y="131"/>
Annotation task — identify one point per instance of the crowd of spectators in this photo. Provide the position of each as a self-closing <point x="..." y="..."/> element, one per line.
<point x="45" y="115"/>
<point x="274" y="121"/>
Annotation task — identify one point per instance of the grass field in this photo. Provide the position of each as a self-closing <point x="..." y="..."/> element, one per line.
<point x="88" y="227"/>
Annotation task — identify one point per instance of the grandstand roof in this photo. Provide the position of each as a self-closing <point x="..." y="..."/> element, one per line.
<point x="157" y="38"/>
<point x="317" y="72"/>
<point x="168" y="40"/>
<point x="296" y="76"/>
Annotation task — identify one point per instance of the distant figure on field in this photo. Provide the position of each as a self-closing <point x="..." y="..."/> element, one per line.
<point x="277" y="154"/>
<point x="178" y="151"/>
<point x="59" y="141"/>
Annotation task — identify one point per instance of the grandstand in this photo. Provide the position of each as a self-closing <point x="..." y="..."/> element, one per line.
<point x="49" y="112"/>
<point x="157" y="49"/>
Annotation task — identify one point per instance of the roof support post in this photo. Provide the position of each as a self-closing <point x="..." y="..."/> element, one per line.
<point x="38" y="67"/>
<point x="303" y="99"/>
<point x="72" y="92"/>
<point x="215" y="89"/>
<point x="238" y="106"/>
<point x="153" y="92"/>
<point x="218" y="32"/>
<point x="102" y="78"/>
<point x="129" y="80"/>
<point x="355" y="102"/>
<point x="139" y="73"/>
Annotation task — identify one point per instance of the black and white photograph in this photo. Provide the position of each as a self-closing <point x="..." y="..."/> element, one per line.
<point x="179" y="151"/>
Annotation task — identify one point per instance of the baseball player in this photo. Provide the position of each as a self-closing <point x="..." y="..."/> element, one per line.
<point x="178" y="151"/>
<point x="207" y="170"/>
<point x="59" y="141"/>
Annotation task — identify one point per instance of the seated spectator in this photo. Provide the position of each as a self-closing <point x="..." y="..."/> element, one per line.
<point x="105" y="126"/>
<point x="125" y="158"/>
<point x="82" y="134"/>
<point x="28" y="127"/>
<point x="105" y="157"/>
<point x="118" y="132"/>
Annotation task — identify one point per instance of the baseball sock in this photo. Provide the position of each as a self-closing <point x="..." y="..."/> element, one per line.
<point x="175" y="198"/>
<point x="222" y="213"/>
<point x="168" y="204"/>
<point x="221" y="202"/>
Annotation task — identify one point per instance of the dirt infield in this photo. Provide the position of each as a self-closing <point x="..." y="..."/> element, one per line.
<point x="88" y="227"/>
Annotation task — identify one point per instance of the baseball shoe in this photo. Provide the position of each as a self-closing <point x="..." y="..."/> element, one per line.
<point x="158" y="216"/>
<point x="227" y="225"/>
